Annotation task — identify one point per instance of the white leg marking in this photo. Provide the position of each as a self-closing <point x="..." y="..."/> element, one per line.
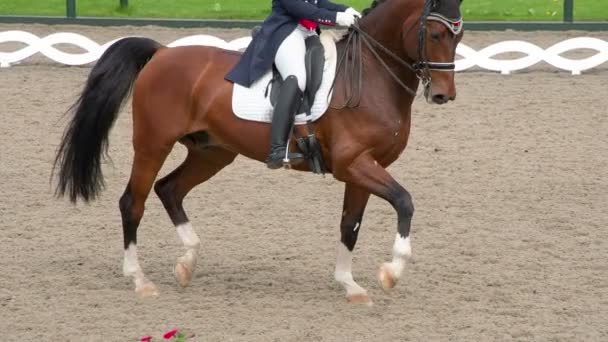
<point x="343" y="273"/>
<point x="191" y="242"/>
<point x="188" y="236"/>
<point x="402" y="250"/>
<point x="131" y="264"/>
<point x="356" y="227"/>
<point x="186" y="263"/>
<point x="131" y="267"/>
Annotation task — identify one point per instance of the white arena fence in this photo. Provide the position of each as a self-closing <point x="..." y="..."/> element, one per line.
<point x="469" y="58"/>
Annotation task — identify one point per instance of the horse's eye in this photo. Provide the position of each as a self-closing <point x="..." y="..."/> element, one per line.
<point x="435" y="36"/>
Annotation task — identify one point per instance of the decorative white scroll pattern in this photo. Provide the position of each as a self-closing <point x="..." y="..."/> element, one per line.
<point x="483" y="58"/>
<point x="469" y="57"/>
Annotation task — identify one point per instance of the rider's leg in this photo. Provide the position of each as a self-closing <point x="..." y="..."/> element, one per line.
<point x="290" y="57"/>
<point x="289" y="61"/>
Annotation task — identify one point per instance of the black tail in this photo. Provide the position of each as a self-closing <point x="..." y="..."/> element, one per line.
<point x="86" y="137"/>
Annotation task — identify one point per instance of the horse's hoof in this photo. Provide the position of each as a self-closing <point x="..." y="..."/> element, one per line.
<point x="385" y="277"/>
<point x="147" y="290"/>
<point x="360" y="298"/>
<point x="183" y="274"/>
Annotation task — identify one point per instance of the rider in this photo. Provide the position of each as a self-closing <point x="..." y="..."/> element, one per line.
<point x="281" y="41"/>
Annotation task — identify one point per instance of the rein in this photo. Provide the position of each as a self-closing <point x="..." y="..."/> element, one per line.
<point x="352" y="67"/>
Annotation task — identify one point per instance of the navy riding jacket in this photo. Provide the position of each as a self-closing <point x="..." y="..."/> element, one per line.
<point x="285" y="17"/>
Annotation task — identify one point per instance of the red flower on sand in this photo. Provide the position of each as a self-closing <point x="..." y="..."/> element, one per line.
<point x="170" y="334"/>
<point x="146" y="339"/>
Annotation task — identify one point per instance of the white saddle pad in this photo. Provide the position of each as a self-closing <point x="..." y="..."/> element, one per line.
<point x="251" y="104"/>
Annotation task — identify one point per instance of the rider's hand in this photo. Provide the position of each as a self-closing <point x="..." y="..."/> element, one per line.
<point x="353" y="11"/>
<point x="345" y="19"/>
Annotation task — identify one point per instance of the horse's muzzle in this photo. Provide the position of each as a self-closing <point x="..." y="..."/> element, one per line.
<point x="442" y="98"/>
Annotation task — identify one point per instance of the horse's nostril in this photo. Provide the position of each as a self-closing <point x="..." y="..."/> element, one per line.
<point x="440" y="99"/>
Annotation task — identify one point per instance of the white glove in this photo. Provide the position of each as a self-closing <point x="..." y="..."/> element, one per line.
<point x="353" y="11"/>
<point x="345" y="19"/>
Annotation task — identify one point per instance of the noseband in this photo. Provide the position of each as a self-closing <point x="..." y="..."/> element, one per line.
<point x="421" y="68"/>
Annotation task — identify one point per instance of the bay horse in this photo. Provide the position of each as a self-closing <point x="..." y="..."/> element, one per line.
<point x="180" y="95"/>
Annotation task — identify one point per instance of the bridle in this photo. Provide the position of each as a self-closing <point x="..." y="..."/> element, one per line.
<point x="422" y="68"/>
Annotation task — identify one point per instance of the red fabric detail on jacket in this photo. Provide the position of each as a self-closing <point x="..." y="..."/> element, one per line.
<point x="309" y="25"/>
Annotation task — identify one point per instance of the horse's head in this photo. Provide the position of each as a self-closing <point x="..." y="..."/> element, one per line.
<point x="430" y="39"/>
<point x="417" y="37"/>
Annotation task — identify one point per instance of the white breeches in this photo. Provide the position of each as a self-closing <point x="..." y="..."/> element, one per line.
<point x="291" y="53"/>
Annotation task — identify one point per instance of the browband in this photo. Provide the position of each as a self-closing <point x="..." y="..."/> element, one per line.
<point x="454" y="25"/>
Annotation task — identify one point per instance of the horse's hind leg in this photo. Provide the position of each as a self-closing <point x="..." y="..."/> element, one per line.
<point x="146" y="164"/>
<point x="199" y="166"/>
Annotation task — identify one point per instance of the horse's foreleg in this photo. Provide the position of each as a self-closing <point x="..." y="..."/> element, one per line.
<point x="371" y="176"/>
<point x="355" y="200"/>
<point x="199" y="166"/>
<point x="145" y="168"/>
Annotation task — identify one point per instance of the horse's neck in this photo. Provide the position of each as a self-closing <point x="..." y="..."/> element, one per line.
<point x="385" y="25"/>
<point x="387" y="33"/>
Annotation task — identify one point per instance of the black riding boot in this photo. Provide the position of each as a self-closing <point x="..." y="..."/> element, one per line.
<point x="290" y="97"/>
